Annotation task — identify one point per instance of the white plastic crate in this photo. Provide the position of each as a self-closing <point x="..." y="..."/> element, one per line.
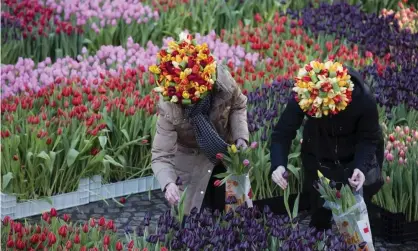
<point x="89" y="190"/>
<point x="99" y="191"/>
<point x="10" y="206"/>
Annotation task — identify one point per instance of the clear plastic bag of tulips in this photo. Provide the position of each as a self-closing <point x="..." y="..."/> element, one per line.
<point x="349" y="212"/>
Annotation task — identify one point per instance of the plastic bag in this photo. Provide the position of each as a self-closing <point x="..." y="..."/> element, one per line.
<point x="353" y="224"/>
<point x="238" y="186"/>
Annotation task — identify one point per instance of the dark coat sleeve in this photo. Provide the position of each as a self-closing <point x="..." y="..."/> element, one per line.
<point x="368" y="133"/>
<point x="284" y="132"/>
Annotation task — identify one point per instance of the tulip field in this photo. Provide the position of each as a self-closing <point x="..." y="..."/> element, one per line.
<point x="77" y="100"/>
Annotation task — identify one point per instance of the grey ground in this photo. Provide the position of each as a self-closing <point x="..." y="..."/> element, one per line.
<point x="131" y="215"/>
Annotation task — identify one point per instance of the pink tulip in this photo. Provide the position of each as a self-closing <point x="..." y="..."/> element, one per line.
<point x="401" y="161"/>
<point x="389" y="157"/>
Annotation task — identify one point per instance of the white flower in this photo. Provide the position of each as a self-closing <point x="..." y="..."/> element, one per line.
<point x="174" y="99"/>
<point x="302" y="72"/>
<point x="318" y="101"/>
<point x="183" y="37"/>
<point x="328" y="64"/>
<point x="158" y="89"/>
<point x="175" y="64"/>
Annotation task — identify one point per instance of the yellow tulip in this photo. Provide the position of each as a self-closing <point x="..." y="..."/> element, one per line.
<point x="186" y="95"/>
<point x="201" y="55"/>
<point x="234" y="148"/>
<point x="203" y="89"/>
<point x="154" y="69"/>
<point x="320" y="175"/>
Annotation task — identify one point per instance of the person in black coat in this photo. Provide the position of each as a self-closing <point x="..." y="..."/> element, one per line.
<point x="347" y="147"/>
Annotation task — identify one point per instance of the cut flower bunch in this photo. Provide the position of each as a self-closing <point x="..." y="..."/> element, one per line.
<point x="349" y="212"/>
<point x="185" y="72"/>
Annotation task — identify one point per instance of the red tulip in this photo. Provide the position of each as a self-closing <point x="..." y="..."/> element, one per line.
<point x="122" y="200"/>
<point x="92" y="222"/>
<point x="53" y="212"/>
<point x="63" y="231"/>
<point x="119" y="246"/>
<point x="10" y="243"/>
<point x="20" y="245"/>
<point x="217" y="183"/>
<point x="77" y="239"/>
<point x="102" y="221"/>
<point x="48" y="141"/>
<point x="34" y="238"/>
<point x="131" y="244"/>
<point x="219" y="156"/>
<point x="15" y="157"/>
<point x="66" y="217"/>
<point x="6" y="220"/>
<point x="69" y="244"/>
<point x="391" y="138"/>
<point x="85" y="228"/>
<point x="110" y="225"/>
<point x="52" y="239"/>
<point x="106" y="240"/>
<point x="83" y="248"/>
<point x="338" y="194"/>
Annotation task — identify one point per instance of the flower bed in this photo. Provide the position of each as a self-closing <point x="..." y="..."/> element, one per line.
<point x="240" y="230"/>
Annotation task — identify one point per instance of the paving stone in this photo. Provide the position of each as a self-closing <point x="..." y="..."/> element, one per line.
<point x="98" y="210"/>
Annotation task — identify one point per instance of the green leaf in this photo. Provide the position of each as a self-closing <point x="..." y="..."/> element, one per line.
<point x="112" y="161"/>
<point x="6" y="180"/>
<point x="125" y="133"/>
<point x="294" y="170"/>
<point x="221" y="175"/>
<point x="296" y="207"/>
<point x="43" y="155"/>
<point x="103" y="141"/>
<point x="72" y="156"/>
<point x="294" y="155"/>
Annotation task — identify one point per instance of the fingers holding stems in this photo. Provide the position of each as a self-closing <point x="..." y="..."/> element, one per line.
<point x="280" y="176"/>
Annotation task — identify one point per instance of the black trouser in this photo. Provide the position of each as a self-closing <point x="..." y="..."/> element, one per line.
<point x="215" y="196"/>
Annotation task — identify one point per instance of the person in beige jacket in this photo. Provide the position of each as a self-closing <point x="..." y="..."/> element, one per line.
<point x="178" y="154"/>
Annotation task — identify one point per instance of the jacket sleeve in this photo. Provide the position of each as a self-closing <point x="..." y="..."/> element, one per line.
<point x="368" y="134"/>
<point x="164" y="147"/>
<point x="238" y="116"/>
<point x="284" y="132"/>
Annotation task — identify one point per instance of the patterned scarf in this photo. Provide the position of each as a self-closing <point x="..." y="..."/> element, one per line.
<point x="206" y="135"/>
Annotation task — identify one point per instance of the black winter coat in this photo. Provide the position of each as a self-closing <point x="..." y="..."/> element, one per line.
<point x="352" y="135"/>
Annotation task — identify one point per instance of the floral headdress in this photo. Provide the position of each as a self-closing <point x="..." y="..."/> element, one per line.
<point x="323" y="88"/>
<point x="185" y="72"/>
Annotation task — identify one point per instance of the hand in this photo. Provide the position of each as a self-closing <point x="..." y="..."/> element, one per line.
<point x="278" y="178"/>
<point x="241" y="144"/>
<point x="357" y="179"/>
<point x="172" y="193"/>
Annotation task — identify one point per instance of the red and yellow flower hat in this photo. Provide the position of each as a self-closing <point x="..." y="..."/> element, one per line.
<point x="323" y="88"/>
<point x="185" y="71"/>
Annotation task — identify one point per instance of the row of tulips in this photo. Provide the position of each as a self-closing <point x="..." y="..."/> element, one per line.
<point x="37" y="30"/>
<point x="25" y="74"/>
<point x="54" y="137"/>
<point x="244" y="229"/>
<point x="400" y="191"/>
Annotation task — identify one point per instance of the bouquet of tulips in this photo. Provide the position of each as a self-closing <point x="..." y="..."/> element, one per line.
<point x="348" y="210"/>
<point x="236" y="177"/>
